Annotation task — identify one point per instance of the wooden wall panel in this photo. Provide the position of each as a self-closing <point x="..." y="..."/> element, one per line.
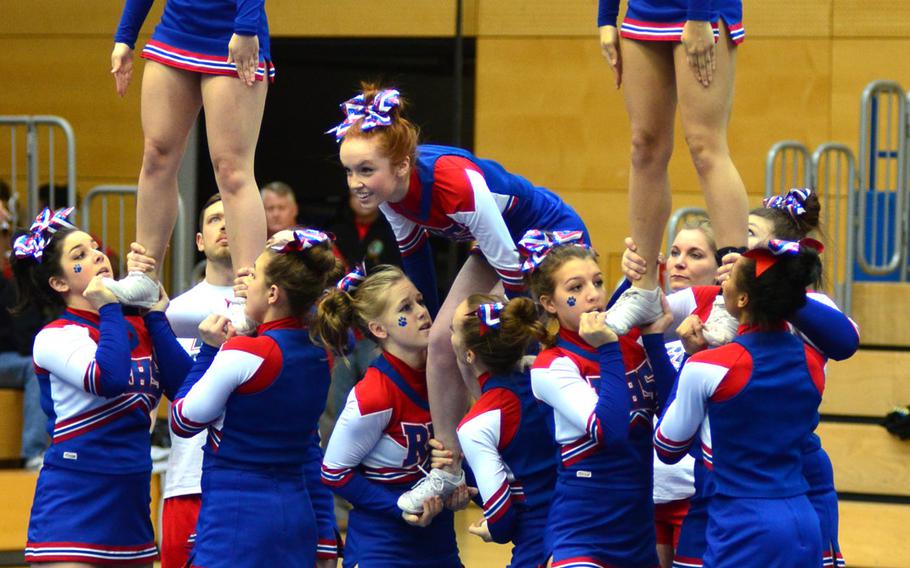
<point x="355" y="18"/>
<point x="867" y="384"/>
<point x="880" y="308"/>
<point x="538" y="18"/>
<point x="787" y="19"/>
<point x="866" y="458"/>
<point x="872" y="534"/>
<point x="47" y="18"/>
<point x="855" y="63"/>
<point x="864" y="19"/>
<point x="71" y="78"/>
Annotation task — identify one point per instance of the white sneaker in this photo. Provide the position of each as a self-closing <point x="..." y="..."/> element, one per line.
<point x="633" y="308"/>
<point x="137" y="289"/>
<point x="721" y="327"/>
<point x="237" y="313"/>
<point x="437" y="482"/>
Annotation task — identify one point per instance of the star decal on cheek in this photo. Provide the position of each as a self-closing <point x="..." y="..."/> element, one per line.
<point x="402" y="321"/>
<point x="571" y="301"/>
<point x="77" y="269"/>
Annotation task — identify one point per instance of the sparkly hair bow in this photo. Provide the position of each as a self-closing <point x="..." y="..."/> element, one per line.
<point x="374" y="115"/>
<point x="303" y="239"/>
<point x="535" y="245"/>
<point x="488" y="315"/>
<point x="353" y="279"/>
<point x="792" y="203"/>
<point x="41" y="232"/>
<point x="765" y="258"/>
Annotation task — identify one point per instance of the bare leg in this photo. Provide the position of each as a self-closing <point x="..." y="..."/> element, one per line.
<point x="233" y="115"/>
<point x="446" y="388"/>
<point x="170" y="104"/>
<point x="650" y="95"/>
<point x="705" y="113"/>
<point x="665" y="555"/>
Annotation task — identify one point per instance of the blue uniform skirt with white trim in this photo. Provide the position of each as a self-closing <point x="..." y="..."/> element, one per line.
<point x="783" y="533"/>
<point x="376" y="540"/>
<point x="690" y="550"/>
<point x="819" y="473"/>
<point x="531" y="541"/>
<point x="90" y="517"/>
<point x="595" y="526"/>
<point x="255" y="518"/>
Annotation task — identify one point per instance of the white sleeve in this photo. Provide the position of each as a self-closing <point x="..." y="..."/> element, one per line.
<point x="67" y="352"/>
<point x="355" y="435"/>
<point x="697" y="382"/>
<point x="409" y="234"/>
<point x="206" y="400"/>
<point x="562" y="387"/>
<point x="479" y="439"/>
<point x="489" y="229"/>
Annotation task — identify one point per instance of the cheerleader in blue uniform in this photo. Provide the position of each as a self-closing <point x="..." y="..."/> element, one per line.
<point x="451" y="193"/>
<point x="380" y="443"/>
<point x="211" y="54"/>
<point x="603" y="395"/>
<point x="101" y="373"/>
<point x="675" y="53"/>
<point x="260" y="399"/>
<point x="759" y="513"/>
<point x="505" y="436"/>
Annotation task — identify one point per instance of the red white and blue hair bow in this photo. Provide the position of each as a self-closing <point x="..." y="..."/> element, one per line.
<point x="765" y="258"/>
<point x="302" y="240"/>
<point x="41" y="232"/>
<point x="375" y="114"/>
<point x="488" y="315"/>
<point x="535" y="245"/>
<point x="792" y="203"/>
<point x="353" y="279"/>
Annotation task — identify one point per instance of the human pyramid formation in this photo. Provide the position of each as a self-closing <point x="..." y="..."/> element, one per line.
<point x="532" y="388"/>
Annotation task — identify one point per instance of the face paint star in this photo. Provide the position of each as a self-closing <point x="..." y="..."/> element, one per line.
<point x="77" y="269"/>
<point x="402" y="321"/>
<point x="571" y="301"/>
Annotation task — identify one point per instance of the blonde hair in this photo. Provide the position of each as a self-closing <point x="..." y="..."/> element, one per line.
<point x="339" y="311"/>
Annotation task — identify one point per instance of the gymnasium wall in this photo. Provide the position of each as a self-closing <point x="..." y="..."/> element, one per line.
<point x="545" y="104"/>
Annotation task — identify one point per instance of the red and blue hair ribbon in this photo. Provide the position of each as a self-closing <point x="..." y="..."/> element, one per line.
<point x="793" y="202"/>
<point x="41" y="232"/>
<point x="375" y="114"/>
<point x="535" y="245"/>
<point x="302" y="240"/>
<point x="765" y="258"/>
<point x="488" y="316"/>
<point x="353" y="279"/>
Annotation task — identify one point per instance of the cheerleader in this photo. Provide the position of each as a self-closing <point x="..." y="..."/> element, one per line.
<point x="450" y="193"/>
<point x="603" y="395"/>
<point x="203" y="54"/>
<point x="759" y="513"/>
<point x="819" y="323"/>
<point x="260" y="399"/>
<point x="505" y="437"/>
<point x="101" y="374"/>
<point x="675" y="53"/>
<point x="381" y="438"/>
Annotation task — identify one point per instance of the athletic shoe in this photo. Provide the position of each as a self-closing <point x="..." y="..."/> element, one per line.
<point x="137" y="289"/>
<point x="237" y="313"/>
<point x="635" y="307"/>
<point x="721" y="327"/>
<point x="436" y="483"/>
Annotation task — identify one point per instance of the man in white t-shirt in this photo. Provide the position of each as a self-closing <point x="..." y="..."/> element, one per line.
<point x="182" y="487"/>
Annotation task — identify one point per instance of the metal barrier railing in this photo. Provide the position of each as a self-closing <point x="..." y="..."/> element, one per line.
<point x="835" y="179"/>
<point x="882" y="205"/>
<point x="125" y="194"/>
<point x="787" y="165"/>
<point x="677" y="220"/>
<point x="32" y="128"/>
